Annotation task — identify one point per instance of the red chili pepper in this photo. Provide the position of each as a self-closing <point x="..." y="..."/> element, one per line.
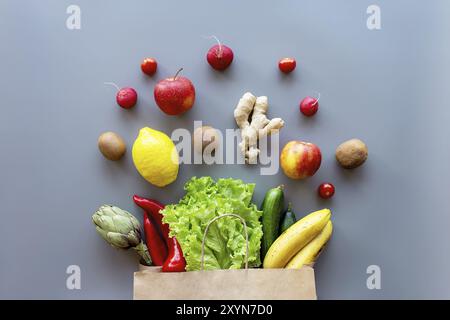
<point x="175" y="261"/>
<point x="157" y="246"/>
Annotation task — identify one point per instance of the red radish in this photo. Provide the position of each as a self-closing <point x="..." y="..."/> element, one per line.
<point x="219" y="56"/>
<point x="326" y="190"/>
<point x="125" y="97"/>
<point x="148" y="66"/>
<point x="287" y="65"/>
<point x="309" y="106"/>
<point x="174" y="95"/>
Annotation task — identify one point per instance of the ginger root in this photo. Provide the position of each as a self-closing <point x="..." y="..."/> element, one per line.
<point x="258" y="127"/>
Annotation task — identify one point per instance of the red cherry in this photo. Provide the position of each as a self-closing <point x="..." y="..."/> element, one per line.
<point x="126" y="97"/>
<point x="309" y="106"/>
<point x="287" y="65"/>
<point x="148" y="66"/>
<point x="326" y="190"/>
<point x="220" y="56"/>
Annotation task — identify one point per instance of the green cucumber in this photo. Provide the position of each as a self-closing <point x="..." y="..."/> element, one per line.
<point x="288" y="219"/>
<point x="272" y="209"/>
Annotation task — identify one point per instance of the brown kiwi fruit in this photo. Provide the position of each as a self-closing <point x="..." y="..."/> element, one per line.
<point x="111" y="145"/>
<point x="351" y="153"/>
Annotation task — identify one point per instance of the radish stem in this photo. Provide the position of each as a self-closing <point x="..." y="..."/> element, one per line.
<point x="112" y="84"/>
<point x="218" y="42"/>
<point x="317" y="100"/>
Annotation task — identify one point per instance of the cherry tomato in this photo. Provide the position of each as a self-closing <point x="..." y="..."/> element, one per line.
<point x="326" y="190"/>
<point x="287" y="65"/>
<point x="148" y="66"/>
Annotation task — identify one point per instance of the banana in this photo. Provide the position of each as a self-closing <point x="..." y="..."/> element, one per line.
<point x="295" y="238"/>
<point x="309" y="253"/>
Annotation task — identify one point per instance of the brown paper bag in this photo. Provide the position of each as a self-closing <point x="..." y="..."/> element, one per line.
<point x="242" y="284"/>
<point x="250" y="284"/>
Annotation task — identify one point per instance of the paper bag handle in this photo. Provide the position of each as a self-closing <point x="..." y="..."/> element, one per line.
<point x="202" y="265"/>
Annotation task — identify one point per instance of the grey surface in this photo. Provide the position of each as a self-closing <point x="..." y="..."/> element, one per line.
<point x="387" y="87"/>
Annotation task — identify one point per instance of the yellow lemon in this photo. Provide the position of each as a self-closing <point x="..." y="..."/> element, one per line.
<point x="155" y="157"/>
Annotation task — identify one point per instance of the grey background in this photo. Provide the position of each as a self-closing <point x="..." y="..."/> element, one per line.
<point x="387" y="87"/>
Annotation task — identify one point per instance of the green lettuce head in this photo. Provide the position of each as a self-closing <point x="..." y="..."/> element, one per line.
<point x="225" y="243"/>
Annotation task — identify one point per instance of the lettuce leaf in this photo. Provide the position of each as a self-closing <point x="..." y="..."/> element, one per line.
<point x="225" y="243"/>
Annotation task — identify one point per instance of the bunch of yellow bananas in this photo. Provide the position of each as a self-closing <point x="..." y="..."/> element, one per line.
<point x="301" y="243"/>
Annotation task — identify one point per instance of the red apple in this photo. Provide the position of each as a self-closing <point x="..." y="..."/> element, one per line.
<point x="220" y="56"/>
<point x="300" y="160"/>
<point x="174" y="95"/>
